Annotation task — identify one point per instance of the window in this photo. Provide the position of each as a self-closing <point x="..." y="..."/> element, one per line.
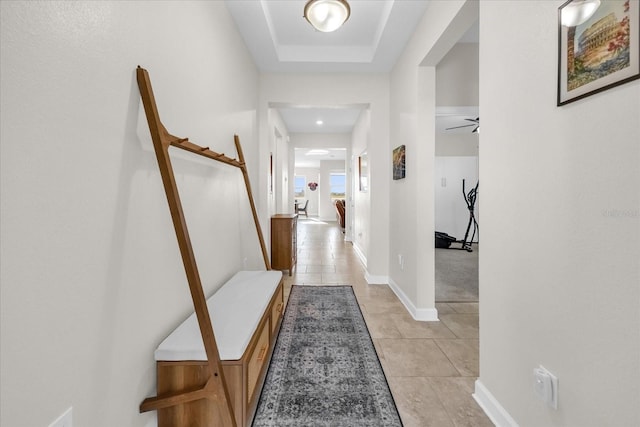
<point x="337" y="185"/>
<point x="299" y="183"/>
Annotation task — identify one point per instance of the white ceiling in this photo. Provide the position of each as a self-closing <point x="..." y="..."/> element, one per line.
<point x="335" y="119"/>
<point x="281" y="40"/>
<point x="310" y="157"/>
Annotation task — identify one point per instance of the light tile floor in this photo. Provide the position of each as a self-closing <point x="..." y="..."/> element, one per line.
<point x="431" y="367"/>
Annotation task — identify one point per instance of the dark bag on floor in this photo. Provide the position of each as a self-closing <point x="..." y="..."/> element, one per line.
<point x="443" y="240"/>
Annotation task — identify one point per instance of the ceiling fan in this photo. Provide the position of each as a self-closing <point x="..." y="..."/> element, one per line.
<point x="476" y="123"/>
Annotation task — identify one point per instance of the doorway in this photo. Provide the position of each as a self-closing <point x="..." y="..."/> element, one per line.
<point x="456" y="170"/>
<point x="456" y="267"/>
<point x="320" y="180"/>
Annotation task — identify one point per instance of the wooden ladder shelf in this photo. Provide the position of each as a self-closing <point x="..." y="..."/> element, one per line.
<point x="215" y="388"/>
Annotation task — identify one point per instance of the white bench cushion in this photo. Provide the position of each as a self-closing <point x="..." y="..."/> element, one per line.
<point x="235" y="311"/>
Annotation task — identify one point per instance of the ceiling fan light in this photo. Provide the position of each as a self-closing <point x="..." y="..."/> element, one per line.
<point x="327" y="15"/>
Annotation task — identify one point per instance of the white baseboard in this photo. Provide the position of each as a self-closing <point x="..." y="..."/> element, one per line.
<point x="496" y="413"/>
<point x="360" y="254"/>
<point x="370" y="278"/>
<point x="421" y="314"/>
<point x="426" y="315"/>
<point x="375" y="280"/>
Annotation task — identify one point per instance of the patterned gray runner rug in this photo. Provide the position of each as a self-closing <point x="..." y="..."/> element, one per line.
<point x="325" y="370"/>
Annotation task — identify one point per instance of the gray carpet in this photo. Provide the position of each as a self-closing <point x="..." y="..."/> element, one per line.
<point x="325" y="370"/>
<point x="456" y="274"/>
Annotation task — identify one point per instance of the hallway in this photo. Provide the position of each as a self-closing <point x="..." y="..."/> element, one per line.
<point x="430" y="366"/>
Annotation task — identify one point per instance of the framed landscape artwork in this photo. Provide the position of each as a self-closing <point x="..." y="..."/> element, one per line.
<point x="598" y="46"/>
<point x="398" y="162"/>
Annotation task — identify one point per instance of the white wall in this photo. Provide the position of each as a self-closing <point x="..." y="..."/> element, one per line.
<point x="457" y="76"/>
<point x="358" y="210"/>
<point x="451" y="210"/>
<point x="91" y="276"/>
<point x="318" y="205"/>
<point x="326" y="207"/>
<point x="559" y="271"/>
<point x="457" y="86"/>
<point x="321" y="140"/>
<point x="280" y="200"/>
<point x="457" y="144"/>
<point x="456" y="152"/>
<point x="311" y="175"/>
<point x="327" y="89"/>
<point x="320" y="200"/>
<point x="412" y="122"/>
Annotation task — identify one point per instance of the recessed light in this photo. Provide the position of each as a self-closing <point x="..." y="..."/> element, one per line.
<point x="319" y="122"/>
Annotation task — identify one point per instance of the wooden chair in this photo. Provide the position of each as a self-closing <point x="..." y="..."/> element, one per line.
<point x="341" y="212"/>
<point x="303" y="209"/>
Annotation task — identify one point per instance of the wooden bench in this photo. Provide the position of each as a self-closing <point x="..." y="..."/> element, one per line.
<point x="246" y="313"/>
<point x="193" y="389"/>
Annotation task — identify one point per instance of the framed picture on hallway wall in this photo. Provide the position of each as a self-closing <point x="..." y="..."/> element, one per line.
<point x="363" y="172"/>
<point x="598" y="46"/>
<point x="270" y="173"/>
<point x="398" y="163"/>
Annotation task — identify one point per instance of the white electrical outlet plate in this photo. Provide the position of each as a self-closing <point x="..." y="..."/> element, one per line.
<point x="64" y="420"/>
<point x="545" y="385"/>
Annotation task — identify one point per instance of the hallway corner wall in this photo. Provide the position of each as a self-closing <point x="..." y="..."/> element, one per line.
<point x="413" y="111"/>
<point x="559" y="271"/>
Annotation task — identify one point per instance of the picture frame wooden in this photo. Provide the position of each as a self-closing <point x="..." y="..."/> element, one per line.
<point x="599" y="52"/>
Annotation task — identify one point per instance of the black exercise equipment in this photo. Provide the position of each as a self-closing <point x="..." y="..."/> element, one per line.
<point x="470" y="200"/>
<point x="443" y="240"/>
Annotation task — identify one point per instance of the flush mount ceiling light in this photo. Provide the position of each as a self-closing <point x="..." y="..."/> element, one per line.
<point x="317" y="152"/>
<point x="327" y="15"/>
<point x="578" y="11"/>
